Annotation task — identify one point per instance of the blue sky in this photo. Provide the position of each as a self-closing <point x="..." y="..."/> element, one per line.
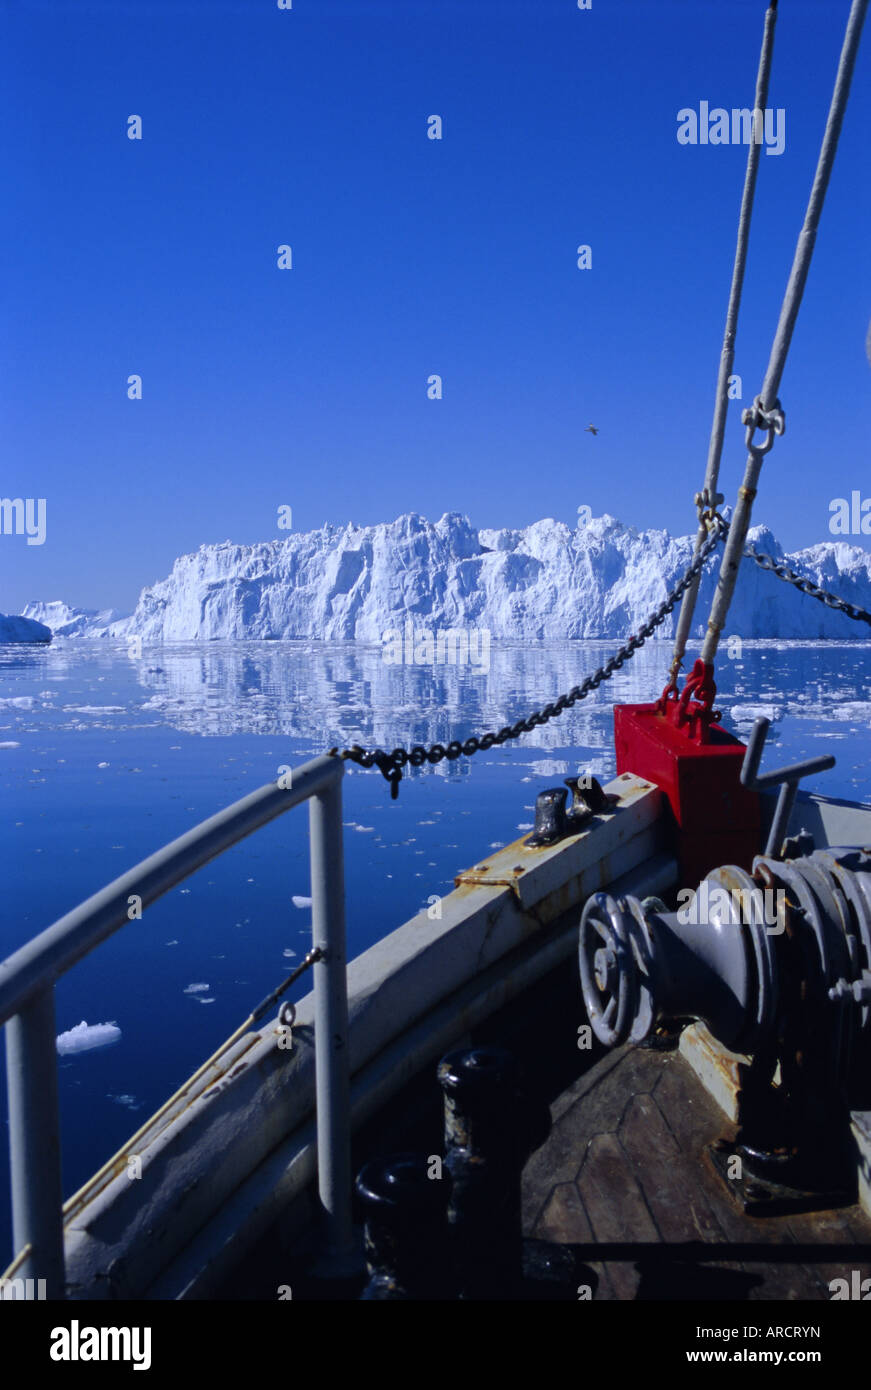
<point x="308" y="387"/>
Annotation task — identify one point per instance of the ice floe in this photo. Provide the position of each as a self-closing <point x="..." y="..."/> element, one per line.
<point x="86" y="1036"/>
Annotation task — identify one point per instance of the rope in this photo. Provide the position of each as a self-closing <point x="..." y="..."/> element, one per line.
<point x="709" y="497"/>
<point x="766" y="412"/>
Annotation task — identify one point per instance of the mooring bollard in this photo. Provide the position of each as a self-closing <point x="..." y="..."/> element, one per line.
<point x="487" y="1140"/>
<point x="404" y="1231"/>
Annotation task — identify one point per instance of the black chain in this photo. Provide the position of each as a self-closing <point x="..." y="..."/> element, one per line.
<point x="807" y="586"/>
<point x="391" y="764"/>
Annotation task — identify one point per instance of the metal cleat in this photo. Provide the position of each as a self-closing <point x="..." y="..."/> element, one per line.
<point x="588" y="798"/>
<point x="551" y="821"/>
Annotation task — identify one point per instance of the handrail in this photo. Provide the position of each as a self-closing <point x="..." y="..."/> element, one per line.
<point x="27" y="979"/>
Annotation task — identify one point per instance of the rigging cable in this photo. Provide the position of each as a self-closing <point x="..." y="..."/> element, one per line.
<point x="766" y="411"/>
<point x="709" y="498"/>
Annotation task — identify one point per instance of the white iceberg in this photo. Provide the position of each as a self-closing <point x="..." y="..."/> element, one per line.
<point x="548" y="581"/>
<point x="64" y="621"/>
<point x="86" y="1036"/>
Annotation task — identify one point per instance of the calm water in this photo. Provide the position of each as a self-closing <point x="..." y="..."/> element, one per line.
<point x="103" y="759"/>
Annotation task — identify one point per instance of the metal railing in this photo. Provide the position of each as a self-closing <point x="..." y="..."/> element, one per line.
<point x="28" y="976"/>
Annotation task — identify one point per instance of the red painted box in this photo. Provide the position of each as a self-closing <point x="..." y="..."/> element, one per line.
<point x="714" y="820"/>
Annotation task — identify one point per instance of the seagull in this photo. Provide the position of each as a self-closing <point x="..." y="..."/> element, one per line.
<point x="591" y="429"/>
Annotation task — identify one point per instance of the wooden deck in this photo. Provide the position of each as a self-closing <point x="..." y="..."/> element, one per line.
<point x="626" y="1162"/>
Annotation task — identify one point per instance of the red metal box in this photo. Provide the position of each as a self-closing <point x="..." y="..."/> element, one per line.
<point x="714" y="820"/>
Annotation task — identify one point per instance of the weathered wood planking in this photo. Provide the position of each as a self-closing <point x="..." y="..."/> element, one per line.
<point x="626" y="1162"/>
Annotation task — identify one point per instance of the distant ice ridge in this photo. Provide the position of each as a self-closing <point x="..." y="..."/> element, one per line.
<point x="72" y="622"/>
<point x="547" y="581"/>
<point x="86" y="1036"/>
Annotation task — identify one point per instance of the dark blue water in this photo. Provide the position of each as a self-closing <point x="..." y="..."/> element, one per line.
<point x="103" y="759"/>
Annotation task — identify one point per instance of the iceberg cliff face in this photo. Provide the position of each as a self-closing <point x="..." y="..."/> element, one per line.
<point x="600" y="580"/>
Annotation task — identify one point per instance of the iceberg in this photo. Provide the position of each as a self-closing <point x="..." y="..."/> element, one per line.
<point x="547" y="581"/>
<point x="23" y="629"/>
<point x="64" y="621"/>
<point x="86" y="1036"/>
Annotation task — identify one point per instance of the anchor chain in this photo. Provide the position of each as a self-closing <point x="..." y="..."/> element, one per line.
<point x="806" y="586"/>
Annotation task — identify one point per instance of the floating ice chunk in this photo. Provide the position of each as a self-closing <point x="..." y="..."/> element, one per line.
<point x="299" y="901"/>
<point x="748" y="714"/>
<point x="17" y="702"/>
<point x="197" y="989"/>
<point x="86" y="1036"/>
<point x="10" y="744"/>
<point x="94" y="709"/>
<point x="129" y="1101"/>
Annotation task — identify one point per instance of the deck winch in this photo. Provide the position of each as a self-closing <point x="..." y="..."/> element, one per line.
<point x="776" y="964"/>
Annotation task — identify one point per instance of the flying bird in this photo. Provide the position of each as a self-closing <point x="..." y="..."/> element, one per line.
<point x="591" y="429"/>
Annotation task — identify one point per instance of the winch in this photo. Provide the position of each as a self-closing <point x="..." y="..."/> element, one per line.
<point x="776" y="964"/>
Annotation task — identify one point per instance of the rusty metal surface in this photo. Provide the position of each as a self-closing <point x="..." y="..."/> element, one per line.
<point x="572" y="868"/>
<point x="721" y="1072"/>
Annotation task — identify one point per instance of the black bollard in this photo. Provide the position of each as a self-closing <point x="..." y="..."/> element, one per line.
<point x="404" y="1230"/>
<point x="486" y="1145"/>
